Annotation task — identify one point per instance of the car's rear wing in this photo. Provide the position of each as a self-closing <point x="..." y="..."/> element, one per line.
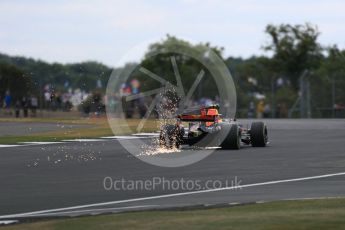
<point x="206" y="118"/>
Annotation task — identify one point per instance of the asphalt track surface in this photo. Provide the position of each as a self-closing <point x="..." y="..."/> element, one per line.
<point x="305" y="159"/>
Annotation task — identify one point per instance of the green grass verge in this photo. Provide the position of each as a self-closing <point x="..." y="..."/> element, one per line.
<point x="58" y="136"/>
<point x="99" y="128"/>
<point x="306" y="214"/>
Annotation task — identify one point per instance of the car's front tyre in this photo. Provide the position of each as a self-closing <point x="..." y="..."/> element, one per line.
<point x="258" y="134"/>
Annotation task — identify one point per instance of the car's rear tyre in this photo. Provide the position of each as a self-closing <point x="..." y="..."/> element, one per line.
<point x="233" y="137"/>
<point x="258" y="134"/>
<point x="170" y="136"/>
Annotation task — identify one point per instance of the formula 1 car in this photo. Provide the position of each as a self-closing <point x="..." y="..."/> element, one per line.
<point x="207" y="128"/>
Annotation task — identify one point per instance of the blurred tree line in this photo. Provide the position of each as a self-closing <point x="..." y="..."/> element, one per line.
<point x="158" y="60"/>
<point x="14" y="80"/>
<point x="292" y="50"/>
<point x="61" y="76"/>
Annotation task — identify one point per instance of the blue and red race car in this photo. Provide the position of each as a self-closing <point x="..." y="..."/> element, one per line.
<point x="207" y="128"/>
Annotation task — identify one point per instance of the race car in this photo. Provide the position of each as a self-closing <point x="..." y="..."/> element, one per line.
<point x="207" y="128"/>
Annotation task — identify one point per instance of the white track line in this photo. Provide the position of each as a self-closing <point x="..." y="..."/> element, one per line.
<point x="93" y="210"/>
<point x="82" y="140"/>
<point x="125" y="137"/>
<point x="22" y="144"/>
<point x="41" y="143"/>
<point x="170" y="195"/>
<point x="8" y="146"/>
<point x="136" y="136"/>
<point x="146" y="134"/>
<point x="5" y="222"/>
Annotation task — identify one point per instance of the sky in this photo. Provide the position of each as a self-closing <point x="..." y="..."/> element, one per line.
<point x="105" y="31"/>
